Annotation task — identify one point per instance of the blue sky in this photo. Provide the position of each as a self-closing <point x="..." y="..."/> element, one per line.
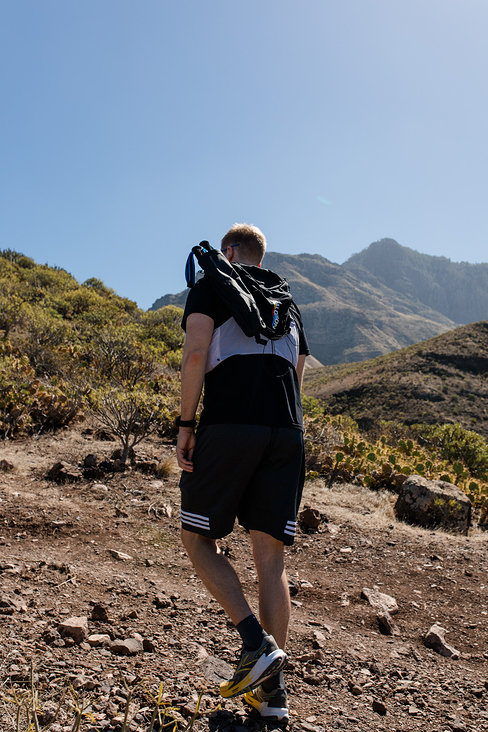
<point x="130" y="130"/>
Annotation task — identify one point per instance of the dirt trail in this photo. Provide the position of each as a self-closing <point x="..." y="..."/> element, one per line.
<point x="56" y="563"/>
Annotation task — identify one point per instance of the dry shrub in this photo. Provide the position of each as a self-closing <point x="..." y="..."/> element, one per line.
<point x="167" y="467"/>
<point x="347" y="500"/>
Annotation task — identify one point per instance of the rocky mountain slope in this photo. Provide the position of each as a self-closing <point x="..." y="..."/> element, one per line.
<point x="443" y="379"/>
<point x="457" y="290"/>
<point x="381" y="300"/>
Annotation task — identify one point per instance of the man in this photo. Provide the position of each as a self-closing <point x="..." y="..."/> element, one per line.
<point x="245" y="461"/>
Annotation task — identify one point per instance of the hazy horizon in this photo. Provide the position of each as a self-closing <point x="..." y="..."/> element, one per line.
<point x="129" y="133"/>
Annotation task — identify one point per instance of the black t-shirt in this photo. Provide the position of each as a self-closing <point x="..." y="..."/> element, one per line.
<point x="245" y="382"/>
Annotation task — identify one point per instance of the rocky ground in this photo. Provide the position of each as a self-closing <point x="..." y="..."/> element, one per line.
<point x="106" y="552"/>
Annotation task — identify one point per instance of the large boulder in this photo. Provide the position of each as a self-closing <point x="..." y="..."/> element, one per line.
<point x="433" y="504"/>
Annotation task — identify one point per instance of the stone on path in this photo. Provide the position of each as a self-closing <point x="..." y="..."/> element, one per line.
<point x="63" y="472"/>
<point x="354" y="688"/>
<point x="379" y="707"/>
<point x="83" y="682"/>
<point x="436" y="641"/>
<point x="385" y="622"/>
<point x="100" y="612"/>
<point x="99" y="639"/>
<point x="310" y="517"/>
<point x="319" y="639"/>
<point x="10" y="603"/>
<point x="380" y="601"/>
<point x="75" y="628"/>
<point x="216" y="670"/>
<point x="127" y="647"/>
<point x="120" y="556"/>
<point x="458" y="725"/>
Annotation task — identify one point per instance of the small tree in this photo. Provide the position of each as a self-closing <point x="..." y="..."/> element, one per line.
<point x="120" y="359"/>
<point x="130" y="413"/>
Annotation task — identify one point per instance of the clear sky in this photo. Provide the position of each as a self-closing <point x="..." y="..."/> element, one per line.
<point x="132" y="129"/>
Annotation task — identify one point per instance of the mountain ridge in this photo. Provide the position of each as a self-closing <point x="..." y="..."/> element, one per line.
<point x="382" y="299"/>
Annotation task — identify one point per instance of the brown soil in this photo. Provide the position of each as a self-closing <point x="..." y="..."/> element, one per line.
<point x="55" y="560"/>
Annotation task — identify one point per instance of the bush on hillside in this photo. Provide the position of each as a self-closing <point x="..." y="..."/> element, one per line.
<point x="456" y="444"/>
<point x="27" y="404"/>
<point x="62" y="341"/>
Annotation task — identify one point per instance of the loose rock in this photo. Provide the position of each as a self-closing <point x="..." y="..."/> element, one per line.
<point x="75" y="628"/>
<point x="120" y="556"/>
<point x="379" y="707"/>
<point x="310" y="517"/>
<point x="63" y="472"/>
<point x="385" y="623"/>
<point x="128" y="647"/>
<point x="99" y="639"/>
<point x="216" y="670"/>
<point x="100" y="613"/>
<point x="380" y="601"/>
<point x="435" y="640"/>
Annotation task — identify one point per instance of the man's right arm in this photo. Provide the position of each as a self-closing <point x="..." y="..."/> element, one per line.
<point x="300" y="368"/>
<point x="199" y="330"/>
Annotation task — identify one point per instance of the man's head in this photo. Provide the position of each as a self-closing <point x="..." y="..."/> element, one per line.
<point x="244" y="243"/>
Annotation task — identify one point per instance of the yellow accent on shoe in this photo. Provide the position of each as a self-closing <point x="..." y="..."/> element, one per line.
<point x="271" y="705"/>
<point x="254" y="667"/>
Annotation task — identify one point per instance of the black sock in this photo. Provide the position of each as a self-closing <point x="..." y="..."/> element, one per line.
<point x="251" y="633"/>
<point x="274" y="682"/>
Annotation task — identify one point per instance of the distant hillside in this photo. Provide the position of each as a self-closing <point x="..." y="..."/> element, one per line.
<point x="347" y="318"/>
<point x="458" y="290"/>
<point x="441" y="380"/>
<point x="383" y="299"/>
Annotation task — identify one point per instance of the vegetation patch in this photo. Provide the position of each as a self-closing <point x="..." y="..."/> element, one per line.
<point x="339" y="452"/>
<point x="69" y="350"/>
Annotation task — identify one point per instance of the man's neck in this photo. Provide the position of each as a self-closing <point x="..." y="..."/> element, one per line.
<point x="249" y="264"/>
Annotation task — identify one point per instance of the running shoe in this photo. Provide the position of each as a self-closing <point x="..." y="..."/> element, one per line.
<point x="272" y="706"/>
<point x="254" y="667"/>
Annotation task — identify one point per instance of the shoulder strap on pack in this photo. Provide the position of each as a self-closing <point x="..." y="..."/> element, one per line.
<point x="254" y="306"/>
<point x="190" y="272"/>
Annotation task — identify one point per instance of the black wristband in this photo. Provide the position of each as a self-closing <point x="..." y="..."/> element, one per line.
<point x="185" y="423"/>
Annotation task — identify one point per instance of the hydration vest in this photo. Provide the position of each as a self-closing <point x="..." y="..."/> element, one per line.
<point x="264" y="312"/>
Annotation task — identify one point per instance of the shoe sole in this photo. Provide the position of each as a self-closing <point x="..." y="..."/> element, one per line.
<point x="265" y="667"/>
<point x="270" y="714"/>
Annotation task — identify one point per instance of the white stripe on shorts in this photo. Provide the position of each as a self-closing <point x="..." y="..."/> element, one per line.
<point x="195" y="519"/>
<point x="290" y="528"/>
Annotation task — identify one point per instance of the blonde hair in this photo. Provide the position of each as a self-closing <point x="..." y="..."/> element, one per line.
<point x="251" y="240"/>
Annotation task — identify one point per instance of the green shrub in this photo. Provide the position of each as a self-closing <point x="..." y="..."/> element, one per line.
<point x="337" y="453"/>
<point x="457" y="445"/>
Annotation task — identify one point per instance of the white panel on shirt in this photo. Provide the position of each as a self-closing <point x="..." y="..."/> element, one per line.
<point x="229" y="340"/>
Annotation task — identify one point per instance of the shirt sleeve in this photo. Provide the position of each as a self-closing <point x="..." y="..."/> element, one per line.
<point x="303" y="349"/>
<point x="203" y="299"/>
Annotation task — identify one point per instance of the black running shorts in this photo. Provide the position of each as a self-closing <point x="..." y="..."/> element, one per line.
<point x="251" y="472"/>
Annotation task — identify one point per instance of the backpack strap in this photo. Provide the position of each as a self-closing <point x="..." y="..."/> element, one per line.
<point x="190" y="272"/>
<point x="252" y="305"/>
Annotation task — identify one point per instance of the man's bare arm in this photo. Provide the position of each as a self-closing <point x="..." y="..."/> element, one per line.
<point x="199" y="330"/>
<point x="300" y="367"/>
